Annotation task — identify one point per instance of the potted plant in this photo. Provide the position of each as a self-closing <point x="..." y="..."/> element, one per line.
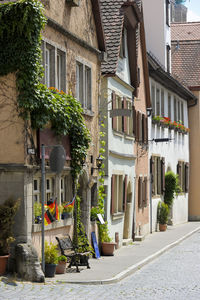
<point x="107" y="246"/>
<point x="61" y="266"/>
<point x="67" y="211"/>
<point x="8" y="211"/>
<point x="51" y="259"/>
<point x="162" y="215"/>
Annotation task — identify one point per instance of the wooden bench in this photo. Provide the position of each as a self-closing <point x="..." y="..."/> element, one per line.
<point x="67" y="249"/>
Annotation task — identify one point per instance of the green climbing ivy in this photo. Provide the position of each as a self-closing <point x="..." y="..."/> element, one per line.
<point x="20" y="53"/>
<point x="82" y="240"/>
<point x="99" y="209"/>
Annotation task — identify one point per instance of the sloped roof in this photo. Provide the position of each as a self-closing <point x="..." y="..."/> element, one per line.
<point x="157" y="72"/>
<point x="186" y="53"/>
<point x="185" y="31"/>
<point x="113" y="20"/>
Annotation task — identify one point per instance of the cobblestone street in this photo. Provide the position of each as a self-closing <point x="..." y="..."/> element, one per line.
<point x="174" y="275"/>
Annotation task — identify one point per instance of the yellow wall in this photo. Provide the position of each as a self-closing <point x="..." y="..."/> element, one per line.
<point x="11" y="126"/>
<point x="194" y="190"/>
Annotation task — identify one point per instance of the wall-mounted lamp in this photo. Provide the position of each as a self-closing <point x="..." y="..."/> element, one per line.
<point x="99" y="162"/>
<point x="149" y="111"/>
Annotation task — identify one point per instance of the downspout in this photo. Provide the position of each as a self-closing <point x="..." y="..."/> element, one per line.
<point x="134" y="211"/>
<point x="150" y="201"/>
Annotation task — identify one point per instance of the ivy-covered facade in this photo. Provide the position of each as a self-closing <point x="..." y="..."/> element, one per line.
<point x="49" y="78"/>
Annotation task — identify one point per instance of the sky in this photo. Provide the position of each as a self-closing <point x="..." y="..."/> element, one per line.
<point x="193" y="10"/>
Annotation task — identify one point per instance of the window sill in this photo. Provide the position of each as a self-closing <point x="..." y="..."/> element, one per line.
<point x="129" y="137"/>
<point x="118" y="215"/>
<point x="54" y="225"/>
<point x="118" y="133"/>
<point x="88" y="112"/>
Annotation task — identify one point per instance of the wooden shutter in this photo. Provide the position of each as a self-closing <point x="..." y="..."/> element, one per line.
<point x="134" y="120"/>
<point x="186" y="177"/>
<point x="162" y="175"/>
<point x="159" y="188"/>
<point x="144" y="191"/>
<point x="112" y="209"/>
<point x="179" y="173"/>
<point x="114" y="119"/>
<point x="146" y="138"/>
<point x="125" y="193"/>
<point x="124" y="118"/>
<point x="143" y="129"/>
<point x="140" y="192"/>
<point x="137" y="126"/>
<point x="152" y="172"/>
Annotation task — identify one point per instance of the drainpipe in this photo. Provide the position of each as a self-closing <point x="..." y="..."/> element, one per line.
<point x="150" y="201"/>
<point x="134" y="212"/>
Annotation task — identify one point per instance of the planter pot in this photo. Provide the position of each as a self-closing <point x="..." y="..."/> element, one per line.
<point x="107" y="248"/>
<point x="61" y="267"/>
<point x="3" y="264"/>
<point x="162" y="227"/>
<point x="50" y="270"/>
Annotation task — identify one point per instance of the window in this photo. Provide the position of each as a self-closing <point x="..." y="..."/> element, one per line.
<point x="84" y="85"/>
<point x="167" y="3"/>
<point x="175" y="109"/>
<point x="158" y="102"/>
<point x="118" y="193"/>
<point x="169" y="106"/>
<point x="142" y="192"/>
<point x="62" y="189"/>
<point x="140" y="126"/>
<point x="121" y="123"/>
<point x="162" y="103"/>
<point x="49" y="188"/>
<point x="183" y="176"/>
<point x="36" y="190"/>
<point x="153" y="100"/>
<point x="54" y="62"/>
<point x="168" y="58"/>
<point x="182" y="113"/>
<point x="157" y="170"/>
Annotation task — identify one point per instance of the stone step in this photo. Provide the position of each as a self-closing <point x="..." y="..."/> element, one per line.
<point x="126" y="242"/>
<point x="139" y="238"/>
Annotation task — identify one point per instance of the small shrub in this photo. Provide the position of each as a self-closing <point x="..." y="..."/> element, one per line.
<point x="162" y="213"/>
<point x="170" y="188"/>
<point x="51" y="253"/>
<point x="104" y="233"/>
<point x="62" y="258"/>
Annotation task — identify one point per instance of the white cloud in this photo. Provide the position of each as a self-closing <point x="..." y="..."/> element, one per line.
<point x="192" y="17"/>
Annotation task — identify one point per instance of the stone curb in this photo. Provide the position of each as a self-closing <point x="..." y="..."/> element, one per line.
<point x="134" y="267"/>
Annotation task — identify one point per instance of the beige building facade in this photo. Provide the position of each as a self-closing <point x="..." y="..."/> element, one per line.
<point x="72" y="50"/>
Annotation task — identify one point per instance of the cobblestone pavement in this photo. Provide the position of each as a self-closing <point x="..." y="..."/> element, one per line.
<point x="174" y="275"/>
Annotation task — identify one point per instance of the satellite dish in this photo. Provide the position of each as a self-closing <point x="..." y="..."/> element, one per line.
<point x="57" y="159"/>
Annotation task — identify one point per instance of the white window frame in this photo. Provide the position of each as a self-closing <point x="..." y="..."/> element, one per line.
<point x="55" y="75"/>
<point x="118" y="193"/>
<point x="84" y="90"/>
<point x="36" y="192"/>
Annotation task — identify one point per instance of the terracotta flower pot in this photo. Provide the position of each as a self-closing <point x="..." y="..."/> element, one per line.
<point x="162" y="227"/>
<point x="107" y="248"/>
<point x="3" y="264"/>
<point x="61" y="267"/>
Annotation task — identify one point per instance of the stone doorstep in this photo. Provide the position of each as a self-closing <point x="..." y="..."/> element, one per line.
<point x="139" y="238"/>
<point x="126" y="242"/>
